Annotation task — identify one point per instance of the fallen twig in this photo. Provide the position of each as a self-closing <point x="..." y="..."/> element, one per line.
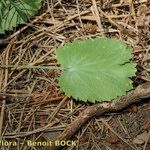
<point x="142" y="91"/>
<point x="39" y="130"/>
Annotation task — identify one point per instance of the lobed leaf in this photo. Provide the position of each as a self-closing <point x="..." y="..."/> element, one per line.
<point x="17" y="12"/>
<point x="96" y="70"/>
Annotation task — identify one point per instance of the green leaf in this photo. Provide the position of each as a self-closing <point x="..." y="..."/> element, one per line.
<point x="96" y="70"/>
<point x="17" y="12"/>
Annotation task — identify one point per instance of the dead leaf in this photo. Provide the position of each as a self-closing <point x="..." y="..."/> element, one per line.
<point x="141" y="138"/>
<point x="112" y="139"/>
<point x="133" y="108"/>
<point x="51" y="135"/>
<point x="147" y="126"/>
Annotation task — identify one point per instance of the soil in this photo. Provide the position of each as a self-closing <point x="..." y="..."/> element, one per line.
<point x="33" y="108"/>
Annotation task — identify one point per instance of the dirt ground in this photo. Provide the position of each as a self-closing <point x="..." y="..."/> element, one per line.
<point x="33" y="108"/>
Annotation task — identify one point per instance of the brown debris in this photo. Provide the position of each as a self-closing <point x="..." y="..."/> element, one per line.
<point x="31" y="101"/>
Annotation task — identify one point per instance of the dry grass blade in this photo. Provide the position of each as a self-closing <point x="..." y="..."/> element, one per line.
<point x="24" y="134"/>
<point x="95" y="11"/>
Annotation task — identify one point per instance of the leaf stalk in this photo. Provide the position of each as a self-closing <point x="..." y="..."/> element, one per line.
<point x="30" y="67"/>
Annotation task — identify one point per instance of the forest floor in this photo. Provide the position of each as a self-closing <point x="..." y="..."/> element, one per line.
<point x="32" y="105"/>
